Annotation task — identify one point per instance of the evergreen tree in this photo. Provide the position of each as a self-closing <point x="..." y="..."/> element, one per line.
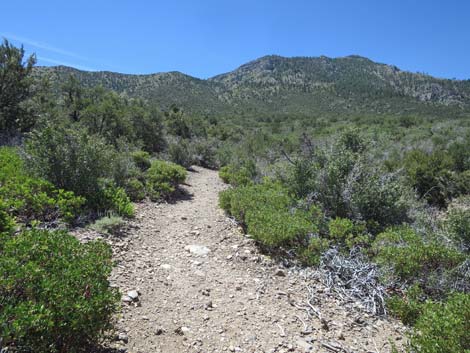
<point x="15" y="88"/>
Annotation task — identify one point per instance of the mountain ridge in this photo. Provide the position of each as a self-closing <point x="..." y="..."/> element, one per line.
<point x="275" y="85"/>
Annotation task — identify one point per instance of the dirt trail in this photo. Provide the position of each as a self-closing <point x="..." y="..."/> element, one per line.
<point x="232" y="299"/>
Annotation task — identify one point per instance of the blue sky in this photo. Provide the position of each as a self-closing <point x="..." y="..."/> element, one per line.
<point x="207" y="37"/>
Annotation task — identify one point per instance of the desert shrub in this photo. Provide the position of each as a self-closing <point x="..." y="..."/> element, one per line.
<point x="179" y="152"/>
<point x="162" y="178"/>
<point x="458" y="222"/>
<point x="204" y="153"/>
<point x="311" y="254"/>
<point x="53" y="303"/>
<point x="135" y="189"/>
<point x="443" y="327"/>
<point x="347" y="234"/>
<point x="347" y="182"/>
<point x="407" y="307"/>
<point x="6" y="221"/>
<point x="110" y="197"/>
<point x="238" y="175"/>
<point x="267" y="213"/>
<point x="30" y="198"/>
<point x="412" y="258"/>
<point x="430" y="175"/>
<point x="71" y="159"/>
<point x="141" y="160"/>
<point x="111" y="224"/>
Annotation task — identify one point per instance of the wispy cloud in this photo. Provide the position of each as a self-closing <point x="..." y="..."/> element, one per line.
<point x="51" y="50"/>
<point x="65" y="63"/>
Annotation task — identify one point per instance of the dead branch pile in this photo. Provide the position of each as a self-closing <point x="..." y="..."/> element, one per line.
<point x="354" y="279"/>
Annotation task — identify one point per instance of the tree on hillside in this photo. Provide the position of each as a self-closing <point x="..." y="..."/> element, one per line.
<point x="15" y="88"/>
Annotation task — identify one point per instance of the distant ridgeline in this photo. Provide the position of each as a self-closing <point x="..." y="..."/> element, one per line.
<point x="275" y="86"/>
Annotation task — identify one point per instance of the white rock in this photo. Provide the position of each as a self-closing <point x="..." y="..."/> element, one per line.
<point x="199" y="250"/>
<point x="165" y="267"/>
<point x="133" y="294"/>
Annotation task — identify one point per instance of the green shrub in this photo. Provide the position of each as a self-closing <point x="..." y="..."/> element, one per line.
<point x="141" y="160"/>
<point x="411" y="257"/>
<point x="111" y="225"/>
<point x="31" y="199"/>
<point x="348" y="234"/>
<point x="71" y="159"/>
<point x="444" y="327"/>
<point x="135" y="189"/>
<point x="236" y="176"/>
<point x="458" y="222"/>
<point x="266" y="212"/>
<point x="430" y="175"/>
<point x="162" y="178"/>
<point x="311" y="254"/>
<point x="6" y="222"/>
<point x="179" y="152"/>
<point x="409" y="307"/>
<point x="55" y="292"/>
<point x="110" y="197"/>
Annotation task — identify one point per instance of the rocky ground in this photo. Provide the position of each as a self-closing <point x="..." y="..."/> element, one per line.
<point x="192" y="282"/>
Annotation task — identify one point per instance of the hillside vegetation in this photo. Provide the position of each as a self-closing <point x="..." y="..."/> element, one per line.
<point x="327" y="158"/>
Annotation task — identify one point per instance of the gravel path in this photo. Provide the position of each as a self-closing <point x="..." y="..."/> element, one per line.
<point x="203" y="287"/>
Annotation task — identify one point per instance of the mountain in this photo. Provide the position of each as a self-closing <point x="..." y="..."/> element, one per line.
<point x="298" y="86"/>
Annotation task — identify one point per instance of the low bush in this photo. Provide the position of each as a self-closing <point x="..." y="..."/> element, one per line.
<point x="414" y="259"/>
<point x="55" y="292"/>
<point x="112" y="198"/>
<point x="135" y="189"/>
<point x="458" y="222"/>
<point x="111" y="225"/>
<point x="443" y="327"/>
<point x="345" y="233"/>
<point x="179" y="152"/>
<point x="71" y="159"/>
<point x="141" y="160"/>
<point x="236" y="176"/>
<point x="6" y="222"/>
<point x="267" y="213"/>
<point x="30" y="198"/>
<point x="162" y="178"/>
<point x="407" y="307"/>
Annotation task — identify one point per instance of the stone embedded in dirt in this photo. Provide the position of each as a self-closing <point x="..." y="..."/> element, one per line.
<point x="122" y="337"/>
<point x="198" y="250"/>
<point x="306" y="347"/>
<point x="133" y="294"/>
<point x="126" y="299"/>
<point x="195" y="232"/>
<point x="165" y="267"/>
<point x="280" y="272"/>
<point x="159" y="331"/>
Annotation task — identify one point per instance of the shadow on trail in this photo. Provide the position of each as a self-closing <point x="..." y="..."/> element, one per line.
<point x="181" y="195"/>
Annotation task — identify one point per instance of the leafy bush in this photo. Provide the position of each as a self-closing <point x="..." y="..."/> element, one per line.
<point x="135" y="189"/>
<point x="237" y="176"/>
<point x="110" y="197"/>
<point x="141" y="160"/>
<point x="266" y="211"/>
<point x="408" y="307"/>
<point x="33" y="199"/>
<point x="109" y="224"/>
<point x="162" y="178"/>
<point x="346" y="233"/>
<point x="458" y="222"/>
<point x="311" y="254"/>
<point x="6" y="222"/>
<point x="444" y="327"/>
<point x="347" y="182"/>
<point x="71" y="159"/>
<point x="179" y="152"/>
<point x="55" y="292"/>
<point x="429" y="174"/>
<point x="411" y="257"/>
